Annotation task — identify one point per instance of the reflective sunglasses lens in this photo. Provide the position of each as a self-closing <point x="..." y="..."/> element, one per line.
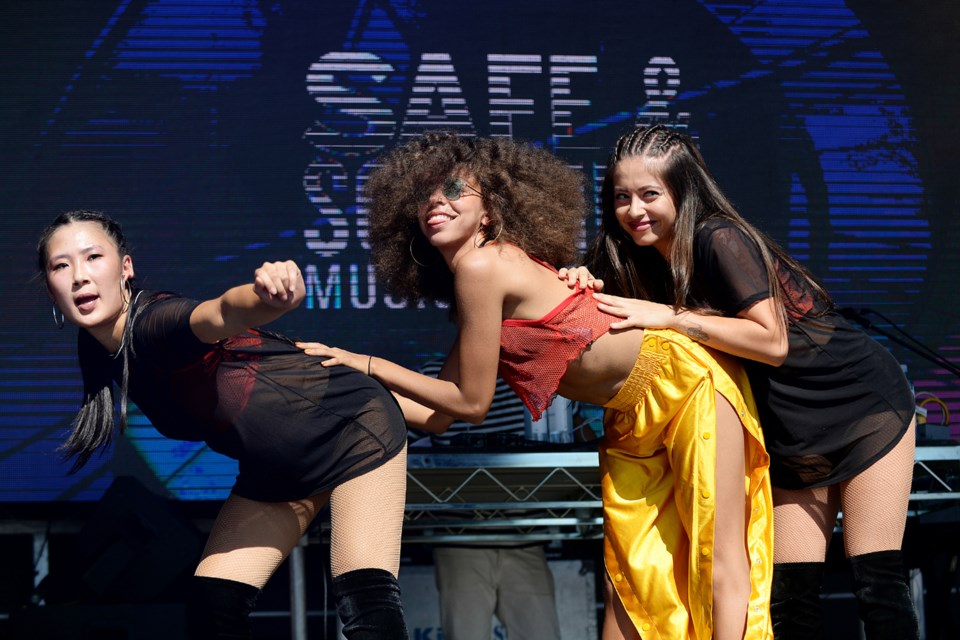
<point x="453" y="188"/>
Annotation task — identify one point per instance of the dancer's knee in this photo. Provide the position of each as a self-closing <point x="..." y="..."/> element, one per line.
<point x="366" y="519"/>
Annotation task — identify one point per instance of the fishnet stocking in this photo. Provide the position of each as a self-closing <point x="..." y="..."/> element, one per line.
<point x="875" y="502"/>
<point x="250" y="539"/>
<point x="803" y="522"/>
<point x="874" y="510"/>
<point x="366" y="519"/>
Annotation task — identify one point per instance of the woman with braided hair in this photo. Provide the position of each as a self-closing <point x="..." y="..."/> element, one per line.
<point x="303" y="434"/>
<point x="835" y="407"/>
<point x="480" y="223"/>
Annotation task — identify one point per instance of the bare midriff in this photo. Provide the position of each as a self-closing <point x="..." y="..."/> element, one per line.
<point x="597" y="375"/>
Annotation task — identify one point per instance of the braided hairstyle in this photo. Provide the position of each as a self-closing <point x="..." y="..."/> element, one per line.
<point x="641" y="272"/>
<point x="532" y="198"/>
<point x="93" y="425"/>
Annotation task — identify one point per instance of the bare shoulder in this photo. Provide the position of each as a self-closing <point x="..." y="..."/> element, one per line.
<point x="493" y="259"/>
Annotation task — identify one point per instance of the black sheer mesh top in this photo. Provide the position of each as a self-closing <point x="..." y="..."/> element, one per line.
<point x="839" y="401"/>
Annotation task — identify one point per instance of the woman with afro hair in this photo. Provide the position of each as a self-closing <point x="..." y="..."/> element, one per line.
<point x="482" y="224"/>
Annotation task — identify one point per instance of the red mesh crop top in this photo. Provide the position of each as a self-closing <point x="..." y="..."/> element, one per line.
<point x="534" y="353"/>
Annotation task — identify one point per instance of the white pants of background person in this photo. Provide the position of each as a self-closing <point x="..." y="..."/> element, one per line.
<point x="515" y="583"/>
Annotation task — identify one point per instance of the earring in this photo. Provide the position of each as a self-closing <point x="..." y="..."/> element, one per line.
<point x="484" y="242"/>
<point x="58" y="320"/>
<point x="412" y="238"/>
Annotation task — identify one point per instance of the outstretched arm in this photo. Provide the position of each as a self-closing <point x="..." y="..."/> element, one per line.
<point x="277" y="287"/>
<point x="421" y="417"/>
<point x="464" y="389"/>
<point x="428" y="403"/>
<point x="756" y="333"/>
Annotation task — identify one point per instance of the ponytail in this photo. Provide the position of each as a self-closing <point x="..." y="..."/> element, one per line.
<point x="94" y="424"/>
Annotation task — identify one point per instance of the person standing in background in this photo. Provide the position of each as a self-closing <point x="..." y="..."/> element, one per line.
<point x="477" y="580"/>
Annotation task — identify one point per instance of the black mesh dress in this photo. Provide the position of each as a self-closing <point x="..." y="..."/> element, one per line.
<point x="840" y="400"/>
<point x="296" y="428"/>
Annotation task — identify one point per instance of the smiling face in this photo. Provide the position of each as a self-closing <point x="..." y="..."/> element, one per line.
<point x="86" y="279"/>
<point x="452" y="216"/>
<point x="642" y="205"/>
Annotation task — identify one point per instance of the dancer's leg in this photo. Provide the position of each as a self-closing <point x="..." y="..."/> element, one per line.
<point x="248" y="542"/>
<point x="366" y="522"/>
<point x="874" y="518"/>
<point x="875" y="501"/>
<point x="617" y="624"/>
<point x="804" y="521"/>
<point x="250" y="539"/>
<point x="731" y="566"/>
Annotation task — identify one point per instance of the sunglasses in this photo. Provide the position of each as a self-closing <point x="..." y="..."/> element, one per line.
<point x="454" y="187"/>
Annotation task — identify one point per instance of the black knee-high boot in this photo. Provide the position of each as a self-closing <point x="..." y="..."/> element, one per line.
<point x="795" y="601"/>
<point x="220" y="609"/>
<point x="368" y="601"/>
<point x="883" y="596"/>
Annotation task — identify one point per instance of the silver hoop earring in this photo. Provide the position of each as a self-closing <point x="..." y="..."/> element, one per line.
<point x="58" y="320"/>
<point x="412" y="238"/>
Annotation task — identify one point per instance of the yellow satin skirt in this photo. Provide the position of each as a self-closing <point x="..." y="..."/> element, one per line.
<point x="658" y="475"/>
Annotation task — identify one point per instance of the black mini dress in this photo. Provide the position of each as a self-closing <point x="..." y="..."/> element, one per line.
<point x="840" y="400"/>
<point x="296" y="428"/>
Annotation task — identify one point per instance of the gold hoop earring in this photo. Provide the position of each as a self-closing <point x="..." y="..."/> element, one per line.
<point x="412" y="238"/>
<point x="58" y="321"/>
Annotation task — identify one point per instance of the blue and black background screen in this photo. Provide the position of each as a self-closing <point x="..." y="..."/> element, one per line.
<point x="223" y="133"/>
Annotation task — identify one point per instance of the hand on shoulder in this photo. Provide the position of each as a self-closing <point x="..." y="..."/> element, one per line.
<point x="579" y="276"/>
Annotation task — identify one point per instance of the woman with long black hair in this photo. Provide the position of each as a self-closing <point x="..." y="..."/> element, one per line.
<point x="303" y="434"/>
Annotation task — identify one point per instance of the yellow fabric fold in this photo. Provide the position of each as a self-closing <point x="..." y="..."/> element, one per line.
<point x="658" y="476"/>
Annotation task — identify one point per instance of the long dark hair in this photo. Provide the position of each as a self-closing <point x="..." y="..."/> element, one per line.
<point x="641" y="272"/>
<point x="94" y="424"/>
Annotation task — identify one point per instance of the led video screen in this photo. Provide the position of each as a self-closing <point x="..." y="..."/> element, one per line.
<point x="222" y="133"/>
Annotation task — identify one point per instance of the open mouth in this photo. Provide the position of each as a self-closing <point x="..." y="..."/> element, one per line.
<point x="438" y="218"/>
<point x="86" y="302"/>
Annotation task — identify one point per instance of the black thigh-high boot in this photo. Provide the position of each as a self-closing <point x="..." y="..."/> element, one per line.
<point x="220" y="609"/>
<point x="368" y="601"/>
<point x="883" y="596"/>
<point x="795" y="600"/>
